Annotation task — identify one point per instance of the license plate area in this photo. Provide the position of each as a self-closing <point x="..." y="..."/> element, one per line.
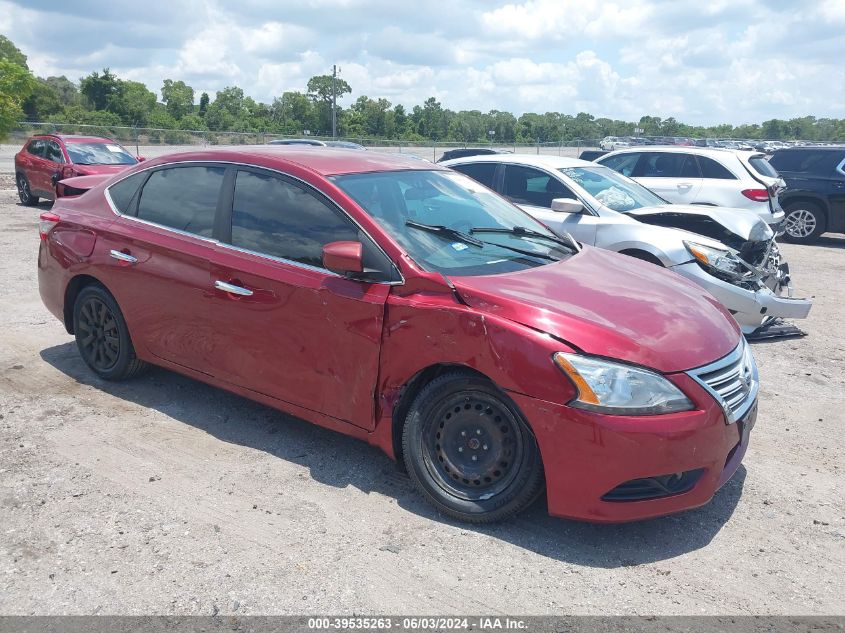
<point x="746" y="423"/>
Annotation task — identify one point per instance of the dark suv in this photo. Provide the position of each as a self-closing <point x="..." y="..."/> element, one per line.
<point x="814" y="199"/>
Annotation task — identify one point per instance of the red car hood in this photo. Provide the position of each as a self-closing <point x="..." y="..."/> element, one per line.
<point x="612" y="305"/>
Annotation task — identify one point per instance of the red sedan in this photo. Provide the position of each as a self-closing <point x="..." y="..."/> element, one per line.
<point x="405" y="304"/>
<point x="46" y="159"/>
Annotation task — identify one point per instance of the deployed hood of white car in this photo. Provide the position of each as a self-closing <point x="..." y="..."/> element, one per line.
<point x="706" y="220"/>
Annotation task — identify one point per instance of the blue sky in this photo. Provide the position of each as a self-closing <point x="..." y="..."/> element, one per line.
<point x="704" y="61"/>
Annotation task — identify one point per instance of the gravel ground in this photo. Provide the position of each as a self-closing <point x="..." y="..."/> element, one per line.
<point x="165" y="496"/>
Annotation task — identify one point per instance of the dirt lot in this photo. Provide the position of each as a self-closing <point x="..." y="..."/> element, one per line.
<point x="166" y="496"/>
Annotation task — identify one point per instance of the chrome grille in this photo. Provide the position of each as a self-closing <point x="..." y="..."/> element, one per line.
<point x="732" y="380"/>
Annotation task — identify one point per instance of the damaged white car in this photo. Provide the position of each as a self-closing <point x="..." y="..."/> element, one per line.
<point x="730" y="252"/>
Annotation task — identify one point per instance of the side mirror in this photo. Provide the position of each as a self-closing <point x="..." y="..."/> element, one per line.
<point x="567" y="205"/>
<point x="141" y="159"/>
<point x="344" y="257"/>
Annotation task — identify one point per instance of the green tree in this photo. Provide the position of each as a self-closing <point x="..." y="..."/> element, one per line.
<point x="203" y="103"/>
<point x="179" y="98"/>
<point x="98" y="89"/>
<point x="293" y="111"/>
<point x="133" y="103"/>
<point x="320" y="92"/>
<point x="16" y="84"/>
<point x="12" y="53"/>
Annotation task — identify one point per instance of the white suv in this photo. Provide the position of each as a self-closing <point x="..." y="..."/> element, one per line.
<point x="704" y="175"/>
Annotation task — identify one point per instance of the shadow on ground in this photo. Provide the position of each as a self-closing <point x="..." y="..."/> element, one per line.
<point x="336" y="460"/>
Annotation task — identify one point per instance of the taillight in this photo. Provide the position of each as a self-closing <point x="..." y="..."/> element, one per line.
<point x="46" y="222"/>
<point x="757" y="195"/>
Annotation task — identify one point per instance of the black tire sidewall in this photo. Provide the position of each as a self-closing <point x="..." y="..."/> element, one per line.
<point x="821" y="224"/>
<point x="31" y="200"/>
<point x="126" y="354"/>
<point x="523" y="490"/>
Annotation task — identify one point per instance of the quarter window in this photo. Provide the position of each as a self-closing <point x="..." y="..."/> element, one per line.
<point x="183" y="198"/>
<point x="525" y="185"/>
<point x="711" y="169"/>
<point x="275" y="217"/>
<point x="121" y="193"/>
<point x="36" y="148"/>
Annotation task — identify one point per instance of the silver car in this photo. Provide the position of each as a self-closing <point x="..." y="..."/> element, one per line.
<point x="730" y="252"/>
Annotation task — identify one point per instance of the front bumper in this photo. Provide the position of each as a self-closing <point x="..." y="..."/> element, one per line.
<point x="587" y="455"/>
<point x="750" y="308"/>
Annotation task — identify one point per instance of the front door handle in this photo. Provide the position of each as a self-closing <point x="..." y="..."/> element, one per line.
<point x="684" y="185"/>
<point x="231" y="289"/>
<point x="123" y="257"/>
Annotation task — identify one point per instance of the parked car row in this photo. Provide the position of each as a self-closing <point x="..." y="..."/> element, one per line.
<point x="457" y="315"/>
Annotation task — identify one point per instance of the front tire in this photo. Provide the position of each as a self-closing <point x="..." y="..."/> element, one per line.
<point x="102" y="336"/>
<point x="804" y="223"/>
<point x="25" y="192"/>
<point x="469" y="451"/>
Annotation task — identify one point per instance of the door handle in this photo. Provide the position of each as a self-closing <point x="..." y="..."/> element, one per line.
<point x="231" y="289"/>
<point x="684" y="185"/>
<point x="123" y="257"/>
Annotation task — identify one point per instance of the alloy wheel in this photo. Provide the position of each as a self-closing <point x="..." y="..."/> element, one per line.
<point x="800" y="223"/>
<point x="99" y="337"/>
<point x="23" y="189"/>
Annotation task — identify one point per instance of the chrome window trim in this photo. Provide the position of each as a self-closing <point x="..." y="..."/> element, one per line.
<point x="273" y="258"/>
<point x="730" y="359"/>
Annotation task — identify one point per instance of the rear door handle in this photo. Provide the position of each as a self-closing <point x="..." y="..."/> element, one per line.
<point x="684" y="185"/>
<point x="232" y="289"/>
<point x="123" y="257"/>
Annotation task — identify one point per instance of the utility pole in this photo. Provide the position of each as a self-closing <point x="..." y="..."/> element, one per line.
<point x="334" y="101"/>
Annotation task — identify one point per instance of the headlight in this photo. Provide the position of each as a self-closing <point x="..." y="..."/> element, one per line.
<point x="761" y="232"/>
<point x="716" y="258"/>
<point x="618" y="389"/>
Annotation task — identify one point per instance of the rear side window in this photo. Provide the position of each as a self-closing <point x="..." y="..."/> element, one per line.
<point x="623" y="163"/>
<point x="482" y="172"/>
<point x="53" y="152"/>
<point x="762" y="167"/>
<point x="36" y="147"/>
<point x="711" y="169"/>
<point x="275" y="217"/>
<point x="183" y="198"/>
<point x="667" y="165"/>
<point x="122" y="193"/>
<point x="805" y="161"/>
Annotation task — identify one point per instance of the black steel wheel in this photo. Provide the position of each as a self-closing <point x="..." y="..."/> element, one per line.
<point x="102" y="336"/>
<point x="24" y="192"/>
<point x="468" y="450"/>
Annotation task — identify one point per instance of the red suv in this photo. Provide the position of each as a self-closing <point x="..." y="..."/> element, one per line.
<point x="46" y="159"/>
<point x="404" y="304"/>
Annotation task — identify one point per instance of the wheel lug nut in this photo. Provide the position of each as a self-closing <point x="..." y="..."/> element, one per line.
<point x="460" y="449"/>
<point x="478" y="431"/>
<point x="474" y="458"/>
<point x="463" y="433"/>
<point x="484" y="447"/>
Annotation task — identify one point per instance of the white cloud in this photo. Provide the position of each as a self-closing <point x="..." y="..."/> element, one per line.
<point x="716" y="61"/>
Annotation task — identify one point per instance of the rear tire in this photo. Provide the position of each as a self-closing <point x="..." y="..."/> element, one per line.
<point x="102" y="336"/>
<point x="804" y="223"/>
<point x="468" y="450"/>
<point x="25" y="192"/>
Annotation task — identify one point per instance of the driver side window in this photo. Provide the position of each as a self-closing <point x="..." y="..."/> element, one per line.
<point x="526" y="185"/>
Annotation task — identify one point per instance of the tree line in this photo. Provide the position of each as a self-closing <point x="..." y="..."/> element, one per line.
<point x="104" y="99"/>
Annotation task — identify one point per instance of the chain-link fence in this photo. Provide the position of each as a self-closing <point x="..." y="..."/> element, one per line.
<point x="151" y="142"/>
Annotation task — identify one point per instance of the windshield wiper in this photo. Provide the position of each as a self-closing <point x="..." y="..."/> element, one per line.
<point x="522" y="231"/>
<point x="445" y="231"/>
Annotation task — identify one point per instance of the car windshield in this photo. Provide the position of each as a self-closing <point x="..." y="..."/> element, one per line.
<point x="432" y="215"/>
<point x="99" y="154"/>
<point x="611" y="189"/>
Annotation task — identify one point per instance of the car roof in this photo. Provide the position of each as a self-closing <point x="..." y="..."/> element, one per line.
<point x="531" y="160"/>
<point x="328" y="161"/>
<point x="687" y="149"/>
<point x="76" y="138"/>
